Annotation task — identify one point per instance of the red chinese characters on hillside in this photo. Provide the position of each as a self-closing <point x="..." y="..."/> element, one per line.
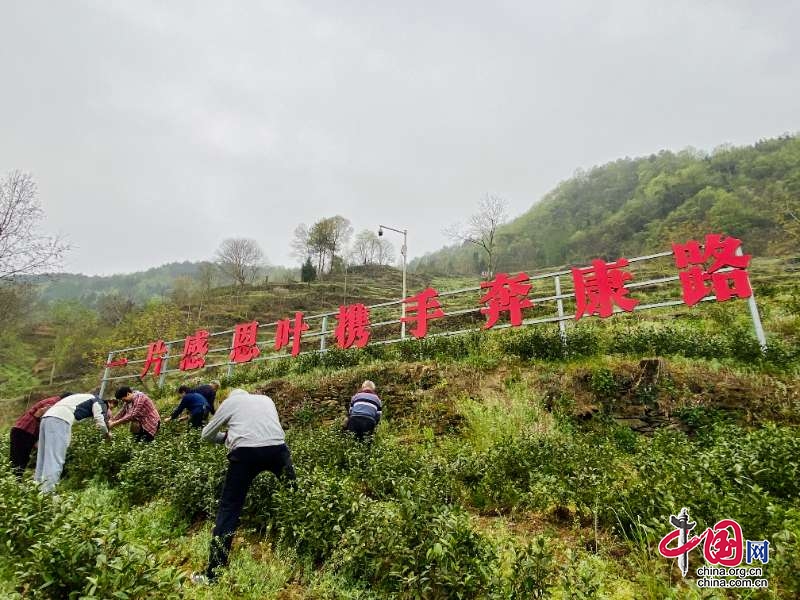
<point x="195" y="348"/>
<point x="352" y="326"/>
<point x="287" y="330"/>
<point x="699" y="282"/>
<point x="505" y="294"/>
<point x="423" y="307"/>
<point x="245" y="348"/>
<point x="155" y="357"/>
<point x="714" y="268"/>
<point x="601" y="287"/>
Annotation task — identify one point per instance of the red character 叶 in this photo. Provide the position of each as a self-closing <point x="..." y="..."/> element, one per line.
<point x="286" y="329"/>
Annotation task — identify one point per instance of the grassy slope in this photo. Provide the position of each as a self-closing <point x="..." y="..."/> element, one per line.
<point x="461" y="409"/>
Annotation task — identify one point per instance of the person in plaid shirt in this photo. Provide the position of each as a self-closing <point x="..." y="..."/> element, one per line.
<point x="139" y="410"/>
<point x="25" y="433"/>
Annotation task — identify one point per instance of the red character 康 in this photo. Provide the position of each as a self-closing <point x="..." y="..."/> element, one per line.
<point x="353" y="326"/>
<point x="505" y="294"/>
<point x="695" y="278"/>
<point x="286" y="329"/>
<point x="195" y="348"/>
<point x="155" y="358"/>
<point x="599" y="287"/>
<point x="245" y="348"/>
<point x="423" y="307"/>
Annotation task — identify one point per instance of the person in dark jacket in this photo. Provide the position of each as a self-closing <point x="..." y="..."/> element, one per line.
<point x="25" y="433"/>
<point x="55" y="432"/>
<point x="365" y="411"/>
<point x="209" y="392"/>
<point x="193" y="403"/>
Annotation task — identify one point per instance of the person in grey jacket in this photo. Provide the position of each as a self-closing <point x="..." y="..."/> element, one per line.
<point x="55" y="432"/>
<point x="256" y="443"/>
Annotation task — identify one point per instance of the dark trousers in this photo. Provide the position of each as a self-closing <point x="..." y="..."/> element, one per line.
<point x="196" y="419"/>
<point x="144" y="436"/>
<point x="22" y="444"/>
<point x="361" y="426"/>
<point x="244" y="464"/>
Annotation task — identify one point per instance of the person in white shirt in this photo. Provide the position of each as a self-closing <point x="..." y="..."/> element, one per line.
<point x="55" y="432"/>
<point x="256" y="443"/>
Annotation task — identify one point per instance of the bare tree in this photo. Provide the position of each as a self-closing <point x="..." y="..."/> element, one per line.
<point x="481" y="229"/>
<point x="239" y="259"/>
<point x="365" y="247"/>
<point x="301" y="246"/>
<point x="24" y="251"/>
<point x="384" y="252"/>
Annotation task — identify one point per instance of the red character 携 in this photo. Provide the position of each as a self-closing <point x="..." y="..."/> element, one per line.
<point x="505" y="294"/>
<point x="422" y="308"/>
<point x="353" y="326"/>
<point x="245" y="348"/>
<point x="195" y="348"/>
<point x="600" y="287"/>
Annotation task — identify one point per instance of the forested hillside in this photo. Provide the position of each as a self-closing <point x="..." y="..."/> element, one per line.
<point x="638" y="205"/>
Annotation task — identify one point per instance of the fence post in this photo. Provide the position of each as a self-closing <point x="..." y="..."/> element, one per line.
<point x="230" y="362"/>
<point x="754" y="314"/>
<point x="562" y="326"/>
<point x="106" y="374"/>
<point x="164" y="366"/>
<point x="322" y="340"/>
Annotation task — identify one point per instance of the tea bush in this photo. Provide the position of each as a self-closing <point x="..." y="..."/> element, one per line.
<point x="61" y="550"/>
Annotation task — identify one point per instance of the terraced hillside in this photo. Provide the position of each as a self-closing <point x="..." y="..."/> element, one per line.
<point x="508" y="465"/>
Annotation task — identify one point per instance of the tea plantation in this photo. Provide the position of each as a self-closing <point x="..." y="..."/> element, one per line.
<point x="508" y="465"/>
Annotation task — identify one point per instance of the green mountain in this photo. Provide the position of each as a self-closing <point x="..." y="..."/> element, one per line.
<point x="635" y="206"/>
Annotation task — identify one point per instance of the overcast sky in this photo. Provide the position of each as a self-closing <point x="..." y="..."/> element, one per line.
<point x="156" y="130"/>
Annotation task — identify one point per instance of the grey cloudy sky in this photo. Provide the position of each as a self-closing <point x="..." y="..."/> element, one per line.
<point x="157" y="129"/>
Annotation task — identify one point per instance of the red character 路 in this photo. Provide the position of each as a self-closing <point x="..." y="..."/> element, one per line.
<point x="422" y="308"/>
<point x="195" y="348"/>
<point x="505" y="294"/>
<point x="245" y="348"/>
<point x="698" y="282"/>
<point x="156" y="352"/>
<point x="601" y="287"/>
<point x="353" y="326"/>
<point x="286" y="330"/>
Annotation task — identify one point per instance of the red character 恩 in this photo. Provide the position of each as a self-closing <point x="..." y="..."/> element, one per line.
<point x="698" y="283"/>
<point x="245" y="348"/>
<point x="422" y="308"/>
<point x="195" y="348"/>
<point x="286" y="329"/>
<point x="353" y="326"/>
<point x="155" y="357"/>
<point x="505" y="294"/>
<point x="600" y="287"/>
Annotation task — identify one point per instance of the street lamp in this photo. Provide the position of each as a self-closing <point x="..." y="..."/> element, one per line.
<point x="404" y="252"/>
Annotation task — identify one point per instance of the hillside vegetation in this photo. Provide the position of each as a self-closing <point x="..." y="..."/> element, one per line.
<point x="508" y="465"/>
<point x="635" y="206"/>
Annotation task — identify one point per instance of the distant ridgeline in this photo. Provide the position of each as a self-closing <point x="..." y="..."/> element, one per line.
<point x="623" y="208"/>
